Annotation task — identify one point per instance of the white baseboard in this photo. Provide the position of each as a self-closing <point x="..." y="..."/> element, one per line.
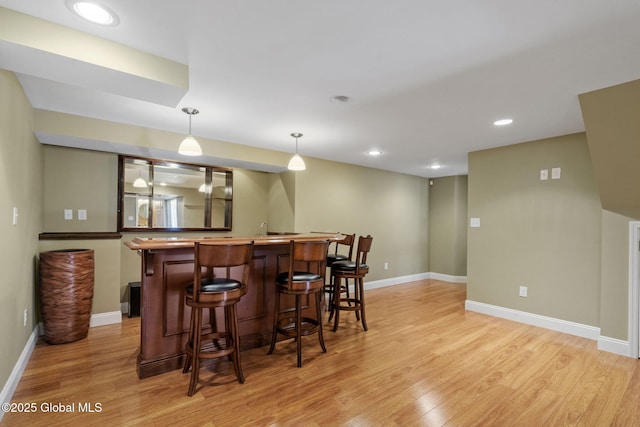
<point x="13" y="380"/>
<point x="99" y="319"/>
<point x="551" y="323"/>
<point x="395" y="281"/>
<point x="614" y="345"/>
<point x="611" y="345"/>
<point x="414" y="278"/>
<point x="107" y="318"/>
<point x="448" y="278"/>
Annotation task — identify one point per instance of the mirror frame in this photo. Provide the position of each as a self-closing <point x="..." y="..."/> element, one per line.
<point x="208" y="201"/>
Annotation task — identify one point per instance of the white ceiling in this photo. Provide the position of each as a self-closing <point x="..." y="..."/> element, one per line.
<point x="426" y="78"/>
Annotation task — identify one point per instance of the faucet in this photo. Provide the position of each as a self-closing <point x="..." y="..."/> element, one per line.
<point x="264" y="224"/>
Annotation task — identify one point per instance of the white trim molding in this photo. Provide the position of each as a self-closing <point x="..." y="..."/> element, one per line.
<point x="448" y="278"/>
<point x="413" y="278"/>
<point x="546" y="322"/>
<point x="608" y="344"/>
<point x="99" y="319"/>
<point x="614" y="345"/>
<point x="107" y="318"/>
<point x="16" y="374"/>
<point x="395" y="281"/>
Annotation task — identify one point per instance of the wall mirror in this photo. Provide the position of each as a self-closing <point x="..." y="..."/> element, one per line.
<point x="158" y="195"/>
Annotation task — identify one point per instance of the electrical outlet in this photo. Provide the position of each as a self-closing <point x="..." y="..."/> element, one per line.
<point x="68" y="214"/>
<point x="544" y="174"/>
<point x="386" y="265"/>
<point x="523" y="291"/>
<point x="26" y="316"/>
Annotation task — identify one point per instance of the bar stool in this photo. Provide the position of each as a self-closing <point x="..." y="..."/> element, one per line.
<point x="219" y="280"/>
<point x="332" y="257"/>
<point x="356" y="270"/>
<point x="310" y="281"/>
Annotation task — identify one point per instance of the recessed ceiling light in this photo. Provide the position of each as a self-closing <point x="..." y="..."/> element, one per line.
<point x="503" y="122"/>
<point x="94" y="11"/>
<point x="374" y="152"/>
<point x="435" y="166"/>
<point x="340" y="99"/>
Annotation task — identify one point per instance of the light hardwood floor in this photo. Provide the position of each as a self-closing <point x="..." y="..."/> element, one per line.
<point x="424" y="361"/>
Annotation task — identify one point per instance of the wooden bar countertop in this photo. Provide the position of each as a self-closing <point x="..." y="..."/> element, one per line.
<point x="146" y="243"/>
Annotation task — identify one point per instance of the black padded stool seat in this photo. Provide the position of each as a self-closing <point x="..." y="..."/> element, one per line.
<point x="220" y="275"/>
<point x="331" y="258"/>
<point x="347" y="265"/>
<point x="334" y="256"/>
<point x="356" y="270"/>
<point x="302" y="280"/>
<point x="216" y="285"/>
<point x="290" y="322"/>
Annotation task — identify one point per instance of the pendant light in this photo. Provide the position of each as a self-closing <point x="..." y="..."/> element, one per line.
<point x="140" y="182"/>
<point x="189" y="145"/>
<point x="296" y="163"/>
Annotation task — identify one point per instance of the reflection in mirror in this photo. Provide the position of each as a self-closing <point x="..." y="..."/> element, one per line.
<point x="177" y="203"/>
<point x="220" y="199"/>
<point x="159" y="195"/>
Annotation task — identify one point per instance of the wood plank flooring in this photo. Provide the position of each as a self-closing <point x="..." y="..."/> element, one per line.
<point x="425" y="361"/>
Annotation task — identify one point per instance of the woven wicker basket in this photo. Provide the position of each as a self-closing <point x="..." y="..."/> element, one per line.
<point x="66" y="294"/>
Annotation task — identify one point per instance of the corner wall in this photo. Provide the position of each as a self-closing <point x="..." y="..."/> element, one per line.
<point x="448" y="226"/>
<point x="545" y="235"/>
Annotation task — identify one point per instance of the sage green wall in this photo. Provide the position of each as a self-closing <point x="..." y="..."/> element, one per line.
<point x="392" y="207"/>
<point x="21" y="166"/>
<point x="80" y="179"/>
<point x="448" y="225"/>
<point x="614" y="279"/>
<point x="281" y="204"/>
<point x="545" y="235"/>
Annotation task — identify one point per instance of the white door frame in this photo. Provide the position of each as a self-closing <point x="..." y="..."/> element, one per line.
<point x="634" y="289"/>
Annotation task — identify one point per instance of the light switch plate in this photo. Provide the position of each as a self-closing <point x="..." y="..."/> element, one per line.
<point x="555" y="173"/>
<point x="474" y="222"/>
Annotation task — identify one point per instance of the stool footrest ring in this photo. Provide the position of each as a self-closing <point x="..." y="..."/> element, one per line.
<point x="287" y="326"/>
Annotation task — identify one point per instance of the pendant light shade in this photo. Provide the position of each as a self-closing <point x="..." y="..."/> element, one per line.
<point x="189" y="145"/>
<point x="296" y="163"/>
<point x="140" y="182"/>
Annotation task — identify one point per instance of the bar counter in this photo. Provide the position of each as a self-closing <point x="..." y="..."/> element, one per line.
<point x="167" y="267"/>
